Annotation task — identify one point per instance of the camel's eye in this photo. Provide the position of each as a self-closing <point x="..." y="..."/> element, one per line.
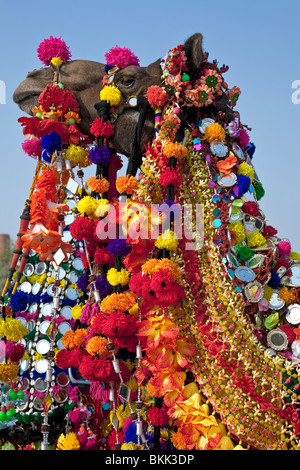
<point x="127" y="81"/>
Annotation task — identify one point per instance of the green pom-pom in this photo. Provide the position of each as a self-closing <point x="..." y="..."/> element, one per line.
<point x="185" y="77"/>
<point x="20" y="394"/>
<point x="61" y="86"/>
<point x="259" y="190"/>
<point x="244" y="252"/>
<point x="2" y="416"/>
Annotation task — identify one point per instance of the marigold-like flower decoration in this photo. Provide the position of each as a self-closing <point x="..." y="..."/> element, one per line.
<point x="126" y="184"/>
<point x="98" y="184"/>
<point x="174" y="149"/>
<point x="214" y="131"/>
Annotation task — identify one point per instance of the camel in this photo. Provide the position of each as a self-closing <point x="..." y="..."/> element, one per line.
<point x="259" y="377"/>
<point x="84" y="78"/>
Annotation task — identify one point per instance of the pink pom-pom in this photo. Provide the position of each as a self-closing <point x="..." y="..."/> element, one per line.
<point x="284" y="248"/>
<point x="243" y="138"/>
<point x="121" y="57"/>
<point x="32" y="147"/>
<point x="53" y="47"/>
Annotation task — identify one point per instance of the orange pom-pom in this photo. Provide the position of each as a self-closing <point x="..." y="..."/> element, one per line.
<point x="174" y="149"/>
<point x="99" y="185"/>
<point x="126" y="184"/>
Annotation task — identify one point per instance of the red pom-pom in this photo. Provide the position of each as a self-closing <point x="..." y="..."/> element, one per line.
<point x="269" y="231"/>
<point x="251" y="208"/>
<point x="170" y="176"/>
<point x="103" y="257"/>
<point x="83" y="229"/>
<point x="99" y="128"/>
<point x="158" y="416"/>
<point x="156" y="96"/>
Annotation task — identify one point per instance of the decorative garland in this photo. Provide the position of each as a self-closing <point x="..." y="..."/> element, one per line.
<point x="191" y="348"/>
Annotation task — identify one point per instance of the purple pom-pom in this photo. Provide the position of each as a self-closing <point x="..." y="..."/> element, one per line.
<point x="103" y="286"/>
<point x="118" y="246"/>
<point x="83" y="283"/>
<point x="100" y="155"/>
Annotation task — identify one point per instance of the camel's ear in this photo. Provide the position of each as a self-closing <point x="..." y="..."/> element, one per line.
<point x="194" y="53"/>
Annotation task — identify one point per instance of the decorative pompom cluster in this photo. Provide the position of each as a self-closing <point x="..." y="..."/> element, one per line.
<point x="32" y="147"/>
<point x="100" y="155"/>
<point x="156" y="96"/>
<point x="53" y="47"/>
<point x="51" y="142"/>
<point x="121" y="57"/>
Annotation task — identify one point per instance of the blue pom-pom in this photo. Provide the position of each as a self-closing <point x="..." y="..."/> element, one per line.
<point x="275" y="280"/>
<point x="130" y="433"/>
<point x="46" y="157"/>
<point x="250" y="149"/>
<point x="51" y="142"/>
<point x="108" y="67"/>
<point x="244" y="184"/>
<point x="19" y="301"/>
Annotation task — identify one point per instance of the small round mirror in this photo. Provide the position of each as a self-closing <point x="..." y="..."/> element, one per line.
<point x="64" y="327"/>
<point x="219" y="149"/>
<point x="277" y="340"/>
<point x="292" y="314"/>
<point x="47" y="309"/>
<point x="28" y="270"/>
<point x="41" y="366"/>
<point x="132" y="101"/>
<point x="43" y="347"/>
<point x="26" y="287"/>
<point x="254" y="291"/>
<point x="40" y="268"/>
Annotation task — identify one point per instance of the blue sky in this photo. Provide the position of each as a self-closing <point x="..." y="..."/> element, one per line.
<point x="258" y="40"/>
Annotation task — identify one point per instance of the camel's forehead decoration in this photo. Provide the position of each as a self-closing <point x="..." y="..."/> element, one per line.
<point x="185" y="303"/>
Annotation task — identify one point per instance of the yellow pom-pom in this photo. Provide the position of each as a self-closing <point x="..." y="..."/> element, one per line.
<point x="255" y="239"/>
<point x="246" y="170"/>
<point x="68" y="442"/>
<point x="128" y="446"/>
<point x="8" y="372"/>
<point x="268" y="292"/>
<point x="87" y="206"/>
<point x="167" y="240"/>
<point x="75" y="154"/>
<point x="238" y="229"/>
<point x="115" y="277"/>
<point x="111" y="94"/>
<point x="57" y="61"/>
<point x="77" y="311"/>
<point x="12" y="329"/>
<point x="214" y="131"/>
<point x="102" y="208"/>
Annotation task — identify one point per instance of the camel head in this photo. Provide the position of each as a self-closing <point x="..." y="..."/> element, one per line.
<point x="85" y="80"/>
